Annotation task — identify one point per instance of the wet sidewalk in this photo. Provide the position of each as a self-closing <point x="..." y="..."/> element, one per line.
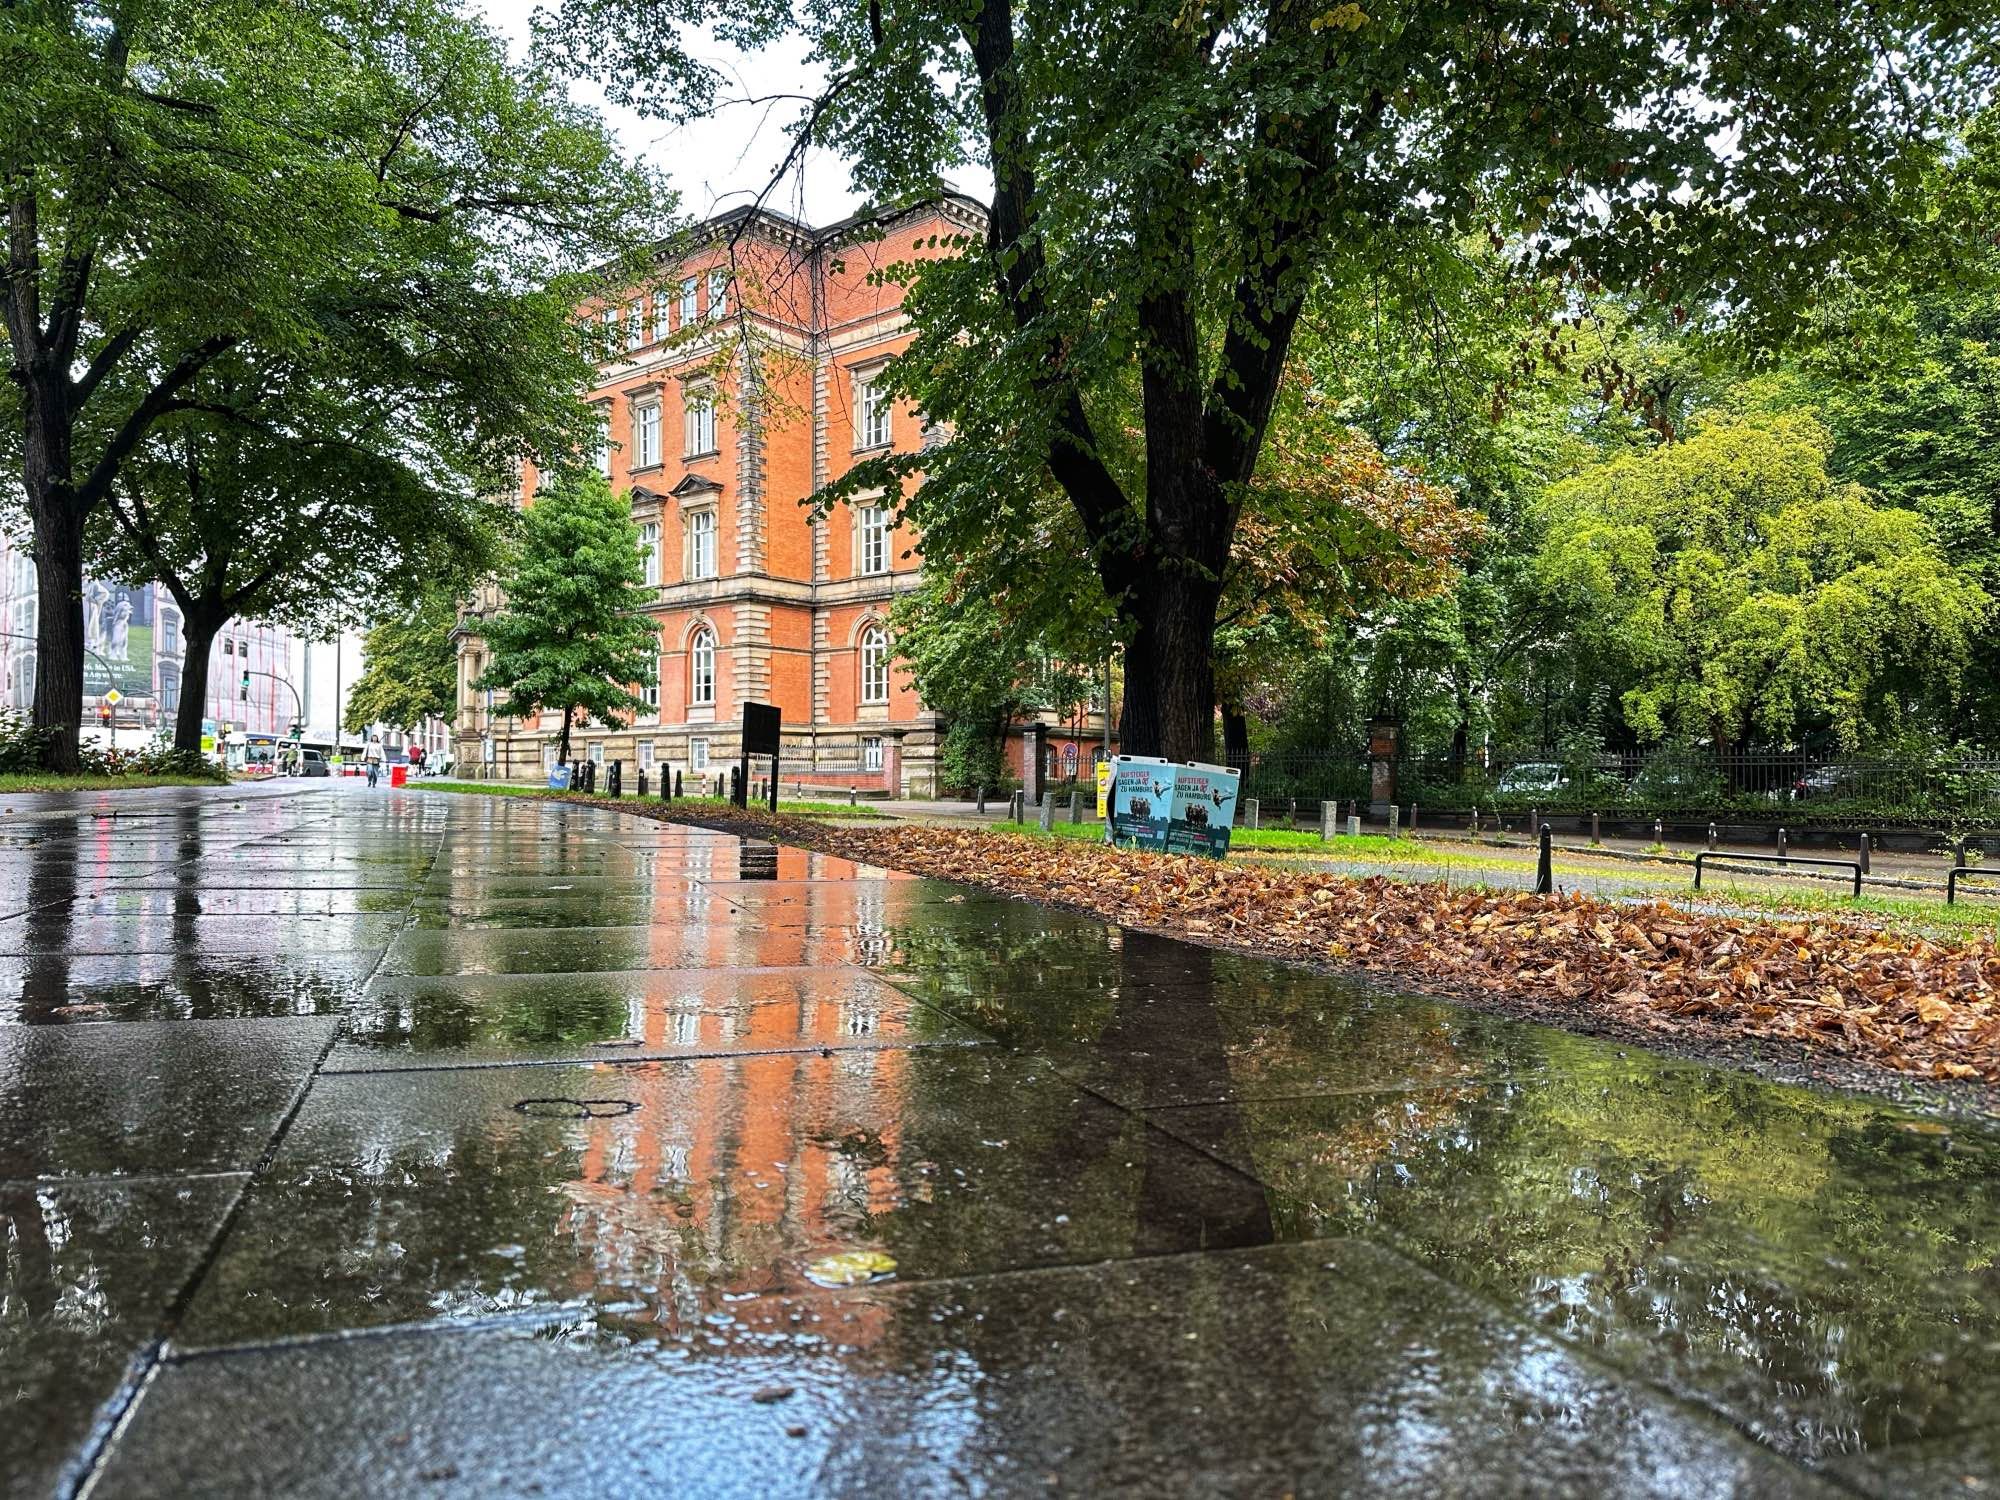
<point x="409" y="1143"/>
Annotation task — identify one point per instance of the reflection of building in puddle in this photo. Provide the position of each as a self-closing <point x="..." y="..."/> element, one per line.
<point x="729" y="1179"/>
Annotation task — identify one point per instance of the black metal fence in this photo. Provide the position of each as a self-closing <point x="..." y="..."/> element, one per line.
<point x="1792" y="782"/>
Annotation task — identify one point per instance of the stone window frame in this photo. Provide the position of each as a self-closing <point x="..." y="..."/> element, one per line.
<point x="698" y="400"/>
<point x="639" y="406"/>
<point x="700" y="521"/>
<point x="702" y="639"/>
<point x="863" y="380"/>
<point x="864" y="507"/>
<point x="871" y="638"/>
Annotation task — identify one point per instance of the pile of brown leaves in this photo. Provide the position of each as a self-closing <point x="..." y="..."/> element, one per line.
<point x="1885" y="999"/>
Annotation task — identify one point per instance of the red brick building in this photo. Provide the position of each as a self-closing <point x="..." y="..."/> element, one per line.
<point x="737" y="382"/>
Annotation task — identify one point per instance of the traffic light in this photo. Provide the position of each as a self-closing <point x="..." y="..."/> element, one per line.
<point x="246" y="683"/>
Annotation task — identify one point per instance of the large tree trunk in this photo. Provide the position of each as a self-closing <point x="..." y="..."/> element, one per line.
<point x="199" y="635"/>
<point x="58" y="709"/>
<point x="562" y="745"/>
<point x="1170" y="669"/>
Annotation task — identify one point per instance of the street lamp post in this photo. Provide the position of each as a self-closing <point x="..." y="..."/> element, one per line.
<point x="298" y="704"/>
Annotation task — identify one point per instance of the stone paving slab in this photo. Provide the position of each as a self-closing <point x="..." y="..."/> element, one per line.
<point x="460" y="1019"/>
<point x="719" y="944"/>
<point x="192" y="933"/>
<point x="1816" y="1268"/>
<point x="673" y="1187"/>
<point x="143" y="1098"/>
<point x="181" y="986"/>
<point x="1507" y="1260"/>
<point x="571" y="909"/>
<point x="1148" y="1377"/>
<point x="90" y="1270"/>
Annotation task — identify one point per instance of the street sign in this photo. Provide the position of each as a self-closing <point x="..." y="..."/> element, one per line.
<point x="761" y="723"/>
<point x="113" y="697"/>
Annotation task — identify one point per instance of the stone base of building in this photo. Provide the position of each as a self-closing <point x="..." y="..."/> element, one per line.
<point x="901" y="761"/>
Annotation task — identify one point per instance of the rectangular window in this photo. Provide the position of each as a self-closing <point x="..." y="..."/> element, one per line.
<point x="650" y="694"/>
<point x="597" y="752"/>
<point x="662" y="315"/>
<point x="871" y="410"/>
<point x="718" y="294"/>
<point x="874" y="539"/>
<point x="871" y="753"/>
<point x="607" y="339"/>
<point x="603" y="454"/>
<point x="649" y="540"/>
<point x="687" y="303"/>
<point x="701" y="544"/>
<point x="700" y="422"/>
<point x="646" y="435"/>
<point x="697" y="754"/>
<point x="635" y="326"/>
<point x="646" y="747"/>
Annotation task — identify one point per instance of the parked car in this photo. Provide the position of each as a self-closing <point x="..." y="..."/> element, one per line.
<point x="1533" y="776"/>
<point x="313" y="763"/>
<point x="1824" y="782"/>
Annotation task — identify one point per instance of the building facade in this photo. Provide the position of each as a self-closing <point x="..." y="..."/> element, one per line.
<point x="740" y="380"/>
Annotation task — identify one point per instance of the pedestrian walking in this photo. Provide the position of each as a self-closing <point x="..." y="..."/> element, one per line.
<point x="372" y="758"/>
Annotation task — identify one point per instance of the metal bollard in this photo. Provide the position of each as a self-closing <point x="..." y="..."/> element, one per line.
<point x="642" y="783"/>
<point x="1862" y="859"/>
<point x="1594" y="839"/>
<point x="1472" y="823"/>
<point x="1534" y="822"/>
<point x="617" y="786"/>
<point x="1413" y="817"/>
<point x="1250" y="812"/>
<point x="1394" y="810"/>
<point x="1075" y="806"/>
<point x="1048" y="817"/>
<point x="1959" y="852"/>
<point x="1711" y="835"/>
<point x="678" y="792"/>
<point x="1784" y="844"/>
<point x="979" y="802"/>
<point x="1659" y="831"/>
<point x="1545" y="873"/>
<point x="1017" y="807"/>
<point x="1329" y="819"/>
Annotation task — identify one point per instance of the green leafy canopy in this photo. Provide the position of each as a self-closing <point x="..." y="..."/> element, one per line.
<point x="574" y="632"/>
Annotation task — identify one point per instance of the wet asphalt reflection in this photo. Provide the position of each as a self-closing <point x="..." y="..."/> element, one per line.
<point x="650" y="1159"/>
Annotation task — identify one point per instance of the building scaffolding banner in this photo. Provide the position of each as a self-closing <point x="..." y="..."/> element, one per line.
<point x="117" y="639"/>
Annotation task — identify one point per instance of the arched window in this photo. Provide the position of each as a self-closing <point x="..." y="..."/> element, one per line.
<point x="874" y="665"/>
<point x="701" y="666"/>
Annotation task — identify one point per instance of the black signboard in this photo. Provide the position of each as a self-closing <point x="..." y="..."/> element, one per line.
<point x="760" y="729"/>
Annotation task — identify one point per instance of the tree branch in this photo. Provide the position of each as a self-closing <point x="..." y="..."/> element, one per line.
<point x="1019" y="263"/>
<point x="135" y="426"/>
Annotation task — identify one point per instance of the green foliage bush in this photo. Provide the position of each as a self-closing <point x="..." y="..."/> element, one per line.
<point x="22" y="745"/>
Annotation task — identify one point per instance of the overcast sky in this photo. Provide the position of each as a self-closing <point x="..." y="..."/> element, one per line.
<point x="723" y="162"/>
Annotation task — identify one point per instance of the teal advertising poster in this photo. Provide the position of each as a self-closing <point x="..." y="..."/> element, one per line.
<point x="1203" y="810"/>
<point x="1142" y="794"/>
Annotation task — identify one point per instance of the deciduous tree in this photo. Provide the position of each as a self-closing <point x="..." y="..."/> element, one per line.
<point x="183" y="179"/>
<point x="574" y="635"/>
<point x="411" y="670"/>
<point x="1752" y="595"/>
<point x="1172" y="181"/>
